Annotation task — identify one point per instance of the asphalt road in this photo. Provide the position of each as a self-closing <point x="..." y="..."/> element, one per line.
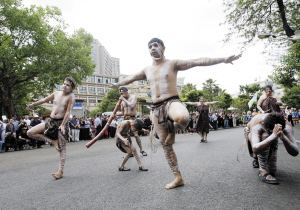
<point x="214" y="179"/>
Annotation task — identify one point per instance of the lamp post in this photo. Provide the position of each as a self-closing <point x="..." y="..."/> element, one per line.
<point x="267" y="35"/>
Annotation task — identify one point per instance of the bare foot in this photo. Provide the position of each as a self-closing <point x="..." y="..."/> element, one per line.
<point x="58" y="175"/>
<point x="55" y="144"/>
<point x="170" y="138"/>
<point x="176" y="183"/>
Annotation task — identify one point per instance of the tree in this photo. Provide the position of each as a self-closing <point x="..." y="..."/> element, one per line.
<point x="249" y="90"/>
<point x="291" y="97"/>
<point x="288" y="71"/>
<point x="108" y="103"/>
<point x="226" y="100"/>
<point x="211" y="90"/>
<point x="246" y="18"/>
<point x="36" y="53"/>
<point x="187" y="88"/>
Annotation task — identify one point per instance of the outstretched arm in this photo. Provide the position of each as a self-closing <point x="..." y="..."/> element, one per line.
<point x="191" y="103"/>
<point x="44" y="100"/>
<point x="213" y="102"/>
<point x="182" y="65"/>
<point x="135" y="77"/>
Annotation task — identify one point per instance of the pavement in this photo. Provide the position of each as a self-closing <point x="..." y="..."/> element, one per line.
<point x="214" y="178"/>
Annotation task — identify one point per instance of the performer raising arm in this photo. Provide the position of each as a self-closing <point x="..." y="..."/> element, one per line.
<point x="170" y="113"/>
<point x="202" y="124"/>
<point x="57" y="126"/>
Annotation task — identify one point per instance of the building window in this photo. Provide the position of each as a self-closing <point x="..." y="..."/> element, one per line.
<point x="84" y="100"/>
<point x="106" y="90"/>
<point x="178" y="88"/>
<point x="107" y="80"/>
<point x="100" y="90"/>
<point x="100" y="79"/>
<point x="58" y="87"/>
<point x="83" y="80"/>
<point x="91" y="79"/>
<point x="92" y="100"/>
<point x="82" y="89"/>
<point x="141" y="81"/>
<point x="91" y="89"/>
<point x="114" y="80"/>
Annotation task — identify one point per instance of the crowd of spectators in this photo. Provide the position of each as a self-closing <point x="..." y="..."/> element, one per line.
<point x="13" y="132"/>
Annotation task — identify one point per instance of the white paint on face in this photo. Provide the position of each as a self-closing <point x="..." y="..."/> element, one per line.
<point x="155" y="48"/>
<point x="163" y="83"/>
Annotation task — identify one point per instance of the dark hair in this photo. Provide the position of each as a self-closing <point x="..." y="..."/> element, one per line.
<point x="98" y="115"/>
<point x="138" y="124"/>
<point x="269" y="86"/>
<point x="123" y="89"/>
<point x="272" y="119"/>
<point x="72" y="81"/>
<point x="156" y="40"/>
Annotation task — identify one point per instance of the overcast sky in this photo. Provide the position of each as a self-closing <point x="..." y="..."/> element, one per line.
<point x="190" y="29"/>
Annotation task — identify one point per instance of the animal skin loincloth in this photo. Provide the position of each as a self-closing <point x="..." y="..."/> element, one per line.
<point x="161" y="110"/>
<point x="51" y="128"/>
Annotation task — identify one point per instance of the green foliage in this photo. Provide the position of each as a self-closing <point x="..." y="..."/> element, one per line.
<point x="288" y="71"/>
<point x="291" y="97"/>
<point x="187" y="88"/>
<point x="247" y="18"/>
<point x="211" y="90"/>
<point x="108" y="103"/>
<point x="226" y="100"/>
<point x="36" y="53"/>
<point x="249" y="91"/>
<point x="39" y="110"/>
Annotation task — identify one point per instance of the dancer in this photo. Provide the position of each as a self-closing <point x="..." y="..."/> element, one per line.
<point x="128" y="110"/>
<point x="202" y="122"/>
<point x="262" y="135"/>
<point x="244" y="119"/>
<point x="124" y="143"/>
<point x="267" y="103"/>
<point x="57" y="126"/>
<point x="170" y="113"/>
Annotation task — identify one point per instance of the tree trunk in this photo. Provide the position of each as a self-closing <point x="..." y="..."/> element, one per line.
<point x="9" y="107"/>
<point x="288" y="31"/>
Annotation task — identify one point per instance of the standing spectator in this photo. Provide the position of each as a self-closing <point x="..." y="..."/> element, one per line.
<point x="230" y="121"/>
<point x="77" y="130"/>
<point x="87" y="128"/>
<point x="288" y="113"/>
<point x="22" y="124"/>
<point x="16" y="123"/>
<point x="33" y="123"/>
<point x="82" y="134"/>
<point x="41" y="119"/>
<point x="27" y="120"/>
<point x="113" y="127"/>
<point x="104" y="121"/>
<point x="237" y="119"/>
<point x="98" y="124"/>
<point x="233" y="120"/>
<point x="215" y="121"/>
<point x="226" y="121"/>
<point x="3" y="130"/>
<point x="10" y="139"/>
<point x="73" y="124"/>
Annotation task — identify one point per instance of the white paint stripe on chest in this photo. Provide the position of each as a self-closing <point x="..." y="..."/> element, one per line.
<point x="163" y="83"/>
<point x="151" y="79"/>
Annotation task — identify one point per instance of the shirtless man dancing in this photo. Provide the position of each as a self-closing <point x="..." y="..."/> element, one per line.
<point x="128" y="110"/>
<point x="262" y="134"/>
<point x="124" y="143"/>
<point x="170" y="113"/>
<point x="56" y="129"/>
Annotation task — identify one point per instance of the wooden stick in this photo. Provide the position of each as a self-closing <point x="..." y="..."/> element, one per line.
<point x="106" y="126"/>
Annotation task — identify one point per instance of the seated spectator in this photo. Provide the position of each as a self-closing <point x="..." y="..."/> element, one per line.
<point x="10" y="139"/>
<point x="23" y="139"/>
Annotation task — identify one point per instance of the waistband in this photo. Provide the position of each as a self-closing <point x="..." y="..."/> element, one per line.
<point x="159" y="103"/>
<point x="128" y="116"/>
<point x="56" y="119"/>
